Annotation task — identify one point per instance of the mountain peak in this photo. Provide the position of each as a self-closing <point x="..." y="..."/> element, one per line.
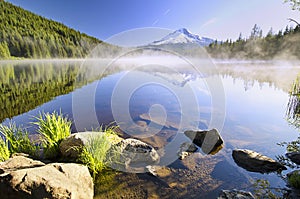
<point x="183" y="36"/>
<point x="183" y="30"/>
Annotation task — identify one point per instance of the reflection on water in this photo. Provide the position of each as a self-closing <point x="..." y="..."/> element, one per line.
<point x="26" y="86"/>
<point x="256" y="99"/>
<point x="293" y="109"/>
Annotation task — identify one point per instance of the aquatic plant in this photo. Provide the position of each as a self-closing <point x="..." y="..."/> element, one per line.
<point x="53" y="128"/>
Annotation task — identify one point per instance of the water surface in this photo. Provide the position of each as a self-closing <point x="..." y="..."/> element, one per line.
<point x="157" y="107"/>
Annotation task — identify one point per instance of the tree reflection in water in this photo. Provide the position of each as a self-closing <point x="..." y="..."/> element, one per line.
<point x="293" y="109"/>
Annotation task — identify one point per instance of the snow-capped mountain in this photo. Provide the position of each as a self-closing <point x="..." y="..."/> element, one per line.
<point x="183" y="36"/>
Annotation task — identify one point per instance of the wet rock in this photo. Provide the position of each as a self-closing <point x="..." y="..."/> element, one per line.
<point x="294" y="157"/>
<point x="27" y="178"/>
<point x="255" y="162"/>
<point x="70" y="147"/>
<point x="135" y="155"/>
<point x="210" y="141"/>
<point x="235" y="194"/>
<point x="186" y="149"/>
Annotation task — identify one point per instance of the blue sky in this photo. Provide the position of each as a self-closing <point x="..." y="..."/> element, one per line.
<point x="217" y="19"/>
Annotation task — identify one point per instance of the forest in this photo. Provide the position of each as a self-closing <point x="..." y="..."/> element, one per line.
<point x="27" y="35"/>
<point x="282" y="45"/>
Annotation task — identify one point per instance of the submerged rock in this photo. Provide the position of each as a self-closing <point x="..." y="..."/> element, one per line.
<point x="210" y="141"/>
<point x="134" y="155"/>
<point x="186" y="149"/>
<point x="255" y="162"/>
<point x="235" y="194"/>
<point x="294" y="157"/>
<point x="159" y="171"/>
<point x="23" y="177"/>
<point x="158" y="121"/>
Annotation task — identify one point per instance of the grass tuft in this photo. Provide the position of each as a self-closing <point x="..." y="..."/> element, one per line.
<point x="4" y="152"/>
<point x="17" y="141"/>
<point x="94" y="153"/>
<point x="53" y="128"/>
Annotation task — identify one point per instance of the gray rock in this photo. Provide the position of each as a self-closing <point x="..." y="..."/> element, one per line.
<point x="235" y="194"/>
<point x="210" y="141"/>
<point x="26" y="178"/>
<point x="255" y="162"/>
<point x="135" y="155"/>
<point x="294" y="157"/>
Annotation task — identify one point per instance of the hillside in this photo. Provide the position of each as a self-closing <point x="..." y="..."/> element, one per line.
<point x="25" y="34"/>
<point x="282" y="45"/>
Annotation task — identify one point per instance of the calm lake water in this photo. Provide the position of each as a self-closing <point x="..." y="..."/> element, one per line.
<point x="157" y="107"/>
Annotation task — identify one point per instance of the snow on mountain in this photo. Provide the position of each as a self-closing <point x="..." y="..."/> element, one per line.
<point x="183" y="36"/>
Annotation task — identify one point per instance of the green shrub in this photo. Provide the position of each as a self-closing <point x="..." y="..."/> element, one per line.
<point x="294" y="180"/>
<point x="53" y="128"/>
<point x="17" y="140"/>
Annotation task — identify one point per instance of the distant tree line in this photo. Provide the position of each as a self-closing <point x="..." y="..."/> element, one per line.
<point x="24" y="34"/>
<point x="284" y="44"/>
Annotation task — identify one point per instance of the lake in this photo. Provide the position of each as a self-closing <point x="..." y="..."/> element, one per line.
<point x="245" y="101"/>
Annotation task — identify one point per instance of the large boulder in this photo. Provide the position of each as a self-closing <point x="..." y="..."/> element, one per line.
<point x="255" y="162"/>
<point x="134" y="155"/>
<point x="210" y="141"/>
<point x="23" y="177"/>
<point x="71" y="146"/>
<point x="294" y="157"/>
<point x="235" y="194"/>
